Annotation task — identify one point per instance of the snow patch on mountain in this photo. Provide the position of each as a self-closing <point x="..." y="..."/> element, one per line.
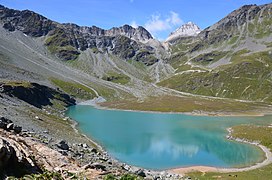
<point x="188" y="29"/>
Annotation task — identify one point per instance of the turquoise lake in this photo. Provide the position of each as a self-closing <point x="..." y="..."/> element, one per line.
<point x="162" y="141"/>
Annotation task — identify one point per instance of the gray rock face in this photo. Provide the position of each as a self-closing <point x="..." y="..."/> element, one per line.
<point x="67" y="40"/>
<point x="63" y="145"/>
<point x="237" y="22"/>
<point x="242" y="25"/>
<point x="14" y="157"/>
<point x="5" y="153"/>
<point x="139" y="34"/>
<point x="26" y="21"/>
<point x="124" y="41"/>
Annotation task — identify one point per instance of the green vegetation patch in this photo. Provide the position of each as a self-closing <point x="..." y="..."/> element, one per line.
<point x="46" y="175"/>
<point x="74" y="89"/>
<point x="137" y="64"/>
<point x="185" y="104"/>
<point x="178" y="59"/>
<point x="116" y="78"/>
<point x="262" y="134"/>
<point x="59" y="43"/>
<point x="248" y="77"/>
<point x="233" y="40"/>
<point x="122" y="177"/>
<point x="264" y="28"/>
<point x="268" y="44"/>
<point x="17" y="83"/>
<point x="208" y="58"/>
<point x="183" y="45"/>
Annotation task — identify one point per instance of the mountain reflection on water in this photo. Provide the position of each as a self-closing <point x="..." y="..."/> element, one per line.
<point x="161" y="141"/>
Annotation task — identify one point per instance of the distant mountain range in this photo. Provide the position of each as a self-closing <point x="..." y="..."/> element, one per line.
<point x="230" y="59"/>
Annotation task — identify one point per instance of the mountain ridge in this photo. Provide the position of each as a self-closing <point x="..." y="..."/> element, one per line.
<point x="228" y="59"/>
<point x="132" y="57"/>
<point x="16" y="17"/>
<point x="68" y="40"/>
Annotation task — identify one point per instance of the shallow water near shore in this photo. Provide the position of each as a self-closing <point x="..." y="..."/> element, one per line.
<point x="163" y="141"/>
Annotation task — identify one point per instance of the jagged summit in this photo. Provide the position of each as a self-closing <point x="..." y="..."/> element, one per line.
<point x="188" y="29"/>
<point x="67" y="40"/>
<point x="138" y="34"/>
<point x="37" y="25"/>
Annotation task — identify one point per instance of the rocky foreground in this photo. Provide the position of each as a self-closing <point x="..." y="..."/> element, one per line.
<point x="25" y="151"/>
<point x="36" y="138"/>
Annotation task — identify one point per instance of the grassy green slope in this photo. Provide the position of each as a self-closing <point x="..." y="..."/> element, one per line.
<point x="74" y="89"/>
<point x="248" y="77"/>
<point x="231" y="59"/>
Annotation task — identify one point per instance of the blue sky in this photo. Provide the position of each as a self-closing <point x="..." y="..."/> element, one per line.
<point x="160" y="17"/>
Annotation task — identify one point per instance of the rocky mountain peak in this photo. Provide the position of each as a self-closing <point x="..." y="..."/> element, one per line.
<point x="26" y="21"/>
<point x="139" y="34"/>
<point x="188" y="29"/>
<point x="241" y="22"/>
<point x="237" y="17"/>
<point x="37" y="25"/>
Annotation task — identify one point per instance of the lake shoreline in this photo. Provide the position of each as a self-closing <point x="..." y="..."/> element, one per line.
<point x="96" y="104"/>
<point x="183" y="170"/>
<point x="267" y="160"/>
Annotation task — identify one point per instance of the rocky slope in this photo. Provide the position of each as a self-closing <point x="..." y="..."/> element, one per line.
<point x="248" y="21"/>
<point x="68" y="40"/>
<point x="24" y="156"/>
<point x="37" y="139"/>
<point x="229" y="59"/>
<point x="186" y="30"/>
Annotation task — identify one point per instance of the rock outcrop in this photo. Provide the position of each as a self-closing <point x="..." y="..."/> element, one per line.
<point x="15" y="159"/>
<point x="23" y="155"/>
<point x="7" y="124"/>
<point x="35" y="94"/>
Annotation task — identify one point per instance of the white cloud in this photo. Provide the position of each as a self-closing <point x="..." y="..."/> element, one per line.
<point x="134" y="24"/>
<point x="158" y="24"/>
<point x="174" y="19"/>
